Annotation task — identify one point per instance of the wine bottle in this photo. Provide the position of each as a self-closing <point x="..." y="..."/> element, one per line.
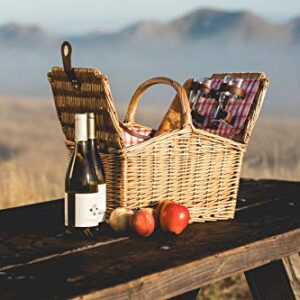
<point x="81" y="186"/>
<point x="98" y="166"/>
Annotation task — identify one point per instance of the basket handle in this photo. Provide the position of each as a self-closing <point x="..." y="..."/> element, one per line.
<point x="186" y="118"/>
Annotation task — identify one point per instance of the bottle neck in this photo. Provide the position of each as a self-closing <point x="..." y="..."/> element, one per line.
<point x="95" y="157"/>
<point x="81" y="129"/>
<point x="91" y="129"/>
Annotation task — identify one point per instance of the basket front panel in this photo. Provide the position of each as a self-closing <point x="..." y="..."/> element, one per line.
<point x="114" y="177"/>
<point x="194" y="170"/>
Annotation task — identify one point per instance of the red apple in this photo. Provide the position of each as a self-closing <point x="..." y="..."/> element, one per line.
<point x="160" y="207"/>
<point x="142" y="222"/>
<point x="174" y="217"/>
<point x="150" y="210"/>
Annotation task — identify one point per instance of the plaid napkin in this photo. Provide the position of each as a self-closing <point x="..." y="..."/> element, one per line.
<point x="142" y="135"/>
<point x="239" y="109"/>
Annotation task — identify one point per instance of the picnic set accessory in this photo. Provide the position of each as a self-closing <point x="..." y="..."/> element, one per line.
<point x="199" y="87"/>
<point x="235" y="104"/>
<point x="191" y="166"/>
<point x="230" y="90"/>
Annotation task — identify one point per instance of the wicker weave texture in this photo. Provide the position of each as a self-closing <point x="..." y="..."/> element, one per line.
<point x="196" y="168"/>
<point x="94" y="96"/>
<point x="165" y="167"/>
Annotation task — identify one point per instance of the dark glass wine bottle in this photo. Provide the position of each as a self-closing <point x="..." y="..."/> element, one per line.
<point x="98" y="166"/>
<point x="81" y="185"/>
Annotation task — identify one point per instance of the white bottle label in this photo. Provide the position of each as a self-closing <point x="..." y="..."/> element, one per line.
<point x="87" y="210"/>
<point x="101" y="195"/>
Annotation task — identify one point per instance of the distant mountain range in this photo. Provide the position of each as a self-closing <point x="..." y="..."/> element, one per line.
<point x="202" y="24"/>
<point x="202" y="42"/>
<point x="23" y="35"/>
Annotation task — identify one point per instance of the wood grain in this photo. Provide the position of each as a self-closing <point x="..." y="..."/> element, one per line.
<point x="37" y="231"/>
<point x="292" y="267"/>
<point x="161" y="266"/>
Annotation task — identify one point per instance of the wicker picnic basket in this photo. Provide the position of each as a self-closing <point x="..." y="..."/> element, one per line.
<point x="196" y="168"/>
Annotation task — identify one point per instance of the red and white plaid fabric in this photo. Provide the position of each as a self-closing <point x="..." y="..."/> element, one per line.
<point x="130" y="140"/>
<point x="239" y="109"/>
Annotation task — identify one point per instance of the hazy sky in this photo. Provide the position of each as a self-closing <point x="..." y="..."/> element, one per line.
<point x="79" y="16"/>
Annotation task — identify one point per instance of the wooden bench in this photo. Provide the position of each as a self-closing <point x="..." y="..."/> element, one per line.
<point x="38" y="261"/>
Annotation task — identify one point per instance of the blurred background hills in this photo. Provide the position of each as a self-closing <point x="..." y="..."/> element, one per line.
<point x="208" y="24"/>
<point x="201" y="42"/>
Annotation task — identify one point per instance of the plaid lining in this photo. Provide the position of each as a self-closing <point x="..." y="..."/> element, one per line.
<point x="130" y="140"/>
<point x="239" y="109"/>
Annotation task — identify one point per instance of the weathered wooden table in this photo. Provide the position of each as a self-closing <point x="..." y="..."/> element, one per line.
<point x="38" y="261"/>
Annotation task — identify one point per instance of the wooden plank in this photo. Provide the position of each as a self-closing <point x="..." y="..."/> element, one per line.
<point x="292" y="267"/>
<point x="164" y="265"/>
<point x="50" y="284"/>
<point x="270" y="282"/>
<point x="36" y="232"/>
<point x="255" y="192"/>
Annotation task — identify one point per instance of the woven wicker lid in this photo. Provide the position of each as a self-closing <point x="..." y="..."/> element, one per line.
<point x="94" y="96"/>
